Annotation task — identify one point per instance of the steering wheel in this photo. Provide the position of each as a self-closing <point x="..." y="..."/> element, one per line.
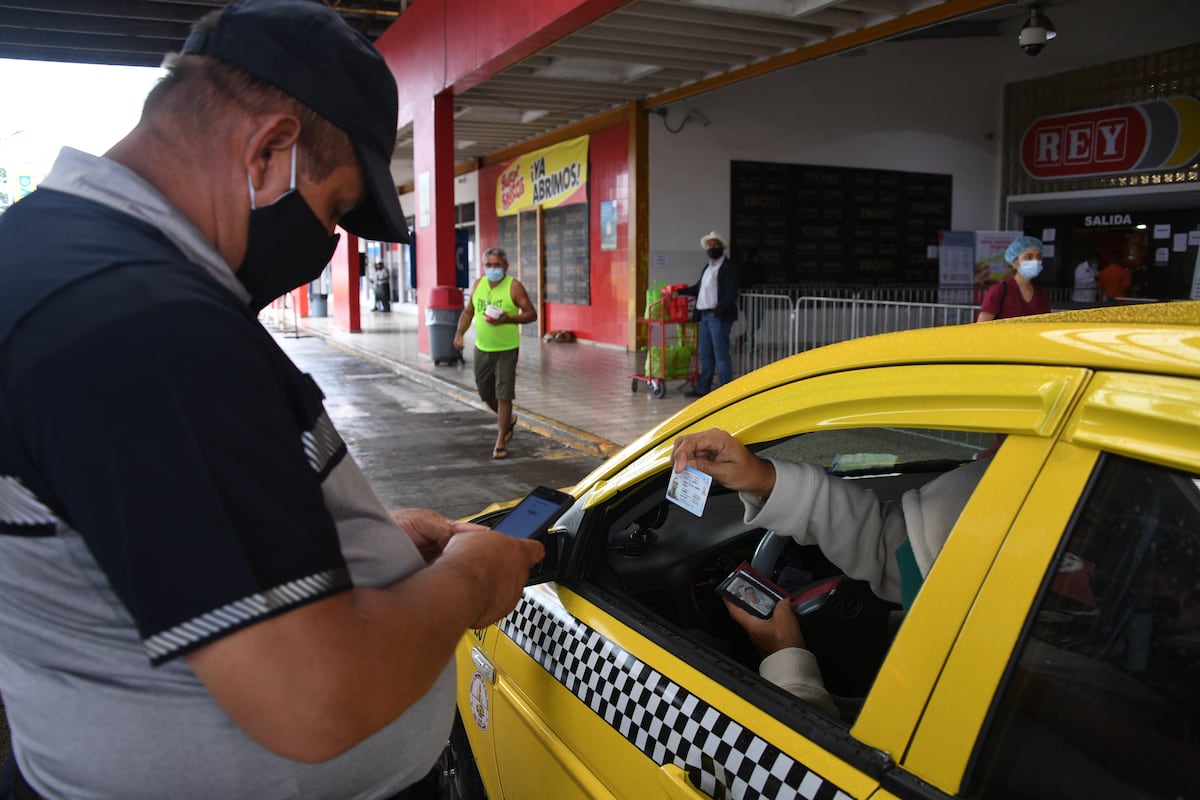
<point x="767" y="553"/>
<point x="808" y="599"/>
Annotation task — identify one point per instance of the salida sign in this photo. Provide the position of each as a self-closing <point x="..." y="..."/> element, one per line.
<point x="1159" y="134"/>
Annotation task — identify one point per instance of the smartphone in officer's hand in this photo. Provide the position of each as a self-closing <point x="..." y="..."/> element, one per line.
<point x="531" y="518"/>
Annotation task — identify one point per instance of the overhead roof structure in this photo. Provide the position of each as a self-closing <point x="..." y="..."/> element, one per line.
<point x="135" y="32"/>
<point x="648" y="50"/>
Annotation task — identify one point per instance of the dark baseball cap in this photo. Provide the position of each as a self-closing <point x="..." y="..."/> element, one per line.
<point x="307" y="50"/>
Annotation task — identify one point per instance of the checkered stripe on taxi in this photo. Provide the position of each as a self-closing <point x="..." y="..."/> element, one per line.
<point x="657" y="715"/>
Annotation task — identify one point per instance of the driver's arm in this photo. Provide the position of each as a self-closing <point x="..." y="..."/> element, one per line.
<point x="852" y="528"/>
<point x="787" y="664"/>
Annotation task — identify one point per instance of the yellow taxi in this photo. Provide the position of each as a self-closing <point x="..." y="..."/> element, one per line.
<point x="1053" y="649"/>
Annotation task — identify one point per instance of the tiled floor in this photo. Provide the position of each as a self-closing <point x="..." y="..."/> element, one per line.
<point x="579" y="393"/>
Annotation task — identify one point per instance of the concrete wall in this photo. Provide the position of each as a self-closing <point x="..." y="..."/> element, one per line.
<point x="927" y="105"/>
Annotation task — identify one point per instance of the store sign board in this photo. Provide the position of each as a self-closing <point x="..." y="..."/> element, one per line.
<point x="1107" y="220"/>
<point x="552" y="176"/>
<point x="1158" y="134"/>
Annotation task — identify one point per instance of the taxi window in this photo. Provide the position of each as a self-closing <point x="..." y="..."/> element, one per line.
<point x="863" y="450"/>
<point x="659" y="558"/>
<point x="1103" y="697"/>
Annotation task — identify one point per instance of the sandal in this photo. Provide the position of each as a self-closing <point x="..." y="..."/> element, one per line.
<point x="512" y="425"/>
<point x="499" y="452"/>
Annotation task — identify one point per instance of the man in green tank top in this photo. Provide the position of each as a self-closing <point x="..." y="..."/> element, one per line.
<point x="499" y="303"/>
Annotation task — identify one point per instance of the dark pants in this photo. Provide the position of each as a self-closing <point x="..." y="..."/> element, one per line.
<point x="714" y="351"/>
<point x="383" y="296"/>
<point x="13" y="785"/>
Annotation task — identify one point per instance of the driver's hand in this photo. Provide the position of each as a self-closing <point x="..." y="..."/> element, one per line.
<point x="782" y="630"/>
<point x="714" y="452"/>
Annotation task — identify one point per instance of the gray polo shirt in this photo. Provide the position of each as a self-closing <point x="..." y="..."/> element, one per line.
<point x="167" y="476"/>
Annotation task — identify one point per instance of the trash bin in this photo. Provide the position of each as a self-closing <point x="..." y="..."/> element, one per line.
<point x="441" y="318"/>
<point x="318" y="305"/>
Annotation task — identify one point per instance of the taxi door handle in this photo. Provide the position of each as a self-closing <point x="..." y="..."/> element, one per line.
<point x="676" y="783"/>
<point x="483" y="665"/>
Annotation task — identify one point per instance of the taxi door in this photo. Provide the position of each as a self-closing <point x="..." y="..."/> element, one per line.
<point x="1073" y="676"/>
<point x="473" y="662"/>
<point x="593" y="697"/>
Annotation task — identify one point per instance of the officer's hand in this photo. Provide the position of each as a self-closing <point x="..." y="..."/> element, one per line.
<point x="429" y="530"/>
<point x="498" y="568"/>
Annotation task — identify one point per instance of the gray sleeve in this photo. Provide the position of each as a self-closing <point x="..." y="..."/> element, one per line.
<point x="853" y="529"/>
<point x="377" y="552"/>
<point x="796" y="671"/>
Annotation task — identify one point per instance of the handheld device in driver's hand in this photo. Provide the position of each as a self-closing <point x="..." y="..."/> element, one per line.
<point x="749" y="590"/>
<point x="530" y="518"/>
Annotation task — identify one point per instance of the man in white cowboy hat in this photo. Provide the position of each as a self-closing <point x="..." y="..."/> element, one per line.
<point x="716" y="310"/>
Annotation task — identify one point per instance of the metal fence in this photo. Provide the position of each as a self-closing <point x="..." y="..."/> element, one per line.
<point x="777" y="325"/>
<point x="906" y="293"/>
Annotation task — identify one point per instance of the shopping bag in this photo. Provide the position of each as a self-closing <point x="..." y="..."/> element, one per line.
<point x="654" y="365"/>
<point x="655" y="307"/>
<point x="677" y="309"/>
<point x="679" y="358"/>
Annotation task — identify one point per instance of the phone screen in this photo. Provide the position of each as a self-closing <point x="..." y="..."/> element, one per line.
<point x="531" y="517"/>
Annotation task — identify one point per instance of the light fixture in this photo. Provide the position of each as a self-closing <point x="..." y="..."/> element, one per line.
<point x="1036" y="31"/>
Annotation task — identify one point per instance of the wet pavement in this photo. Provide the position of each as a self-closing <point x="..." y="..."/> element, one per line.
<point x="421" y="447"/>
<point x="581" y="394"/>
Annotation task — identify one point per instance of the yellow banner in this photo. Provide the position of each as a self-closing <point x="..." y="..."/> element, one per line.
<point x="552" y="176"/>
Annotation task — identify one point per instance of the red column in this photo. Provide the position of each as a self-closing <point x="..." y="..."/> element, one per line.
<point x="433" y="167"/>
<point x="300" y="300"/>
<point x="344" y="272"/>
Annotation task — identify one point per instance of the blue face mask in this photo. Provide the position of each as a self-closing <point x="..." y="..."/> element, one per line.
<point x="1030" y="269"/>
<point x="494" y="275"/>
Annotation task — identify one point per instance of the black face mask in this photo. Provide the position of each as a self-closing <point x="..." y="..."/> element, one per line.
<point x="715" y="252"/>
<point x="286" y="247"/>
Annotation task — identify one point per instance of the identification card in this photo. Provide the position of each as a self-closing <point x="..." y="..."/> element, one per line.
<point x="689" y="489"/>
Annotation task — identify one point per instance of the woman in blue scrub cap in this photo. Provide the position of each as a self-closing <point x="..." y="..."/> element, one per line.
<point x="1016" y="295"/>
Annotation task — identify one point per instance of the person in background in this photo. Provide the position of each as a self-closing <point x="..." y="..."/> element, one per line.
<point x="1085" y="280"/>
<point x="200" y="595"/>
<point x="1114" y="280"/>
<point x="716" y="296"/>
<point x="1017" y="295"/>
<point x="382" y="281"/>
<point x="499" y="304"/>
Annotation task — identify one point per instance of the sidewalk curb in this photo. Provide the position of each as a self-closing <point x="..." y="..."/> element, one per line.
<point x="559" y="431"/>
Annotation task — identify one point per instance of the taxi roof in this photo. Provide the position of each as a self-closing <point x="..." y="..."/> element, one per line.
<point x="1161" y="338"/>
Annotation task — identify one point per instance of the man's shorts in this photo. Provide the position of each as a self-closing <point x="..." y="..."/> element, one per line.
<point x="496" y="374"/>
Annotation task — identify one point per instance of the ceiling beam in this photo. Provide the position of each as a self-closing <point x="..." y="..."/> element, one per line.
<point x="768" y="36"/>
<point x="184" y="12"/>
<point x="917" y="20"/>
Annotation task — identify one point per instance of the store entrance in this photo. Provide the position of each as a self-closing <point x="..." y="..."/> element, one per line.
<point x="1158" y="248"/>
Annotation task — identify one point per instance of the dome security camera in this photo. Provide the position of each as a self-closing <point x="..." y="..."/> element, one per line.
<point x="1036" y="31"/>
<point x="1032" y="40"/>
